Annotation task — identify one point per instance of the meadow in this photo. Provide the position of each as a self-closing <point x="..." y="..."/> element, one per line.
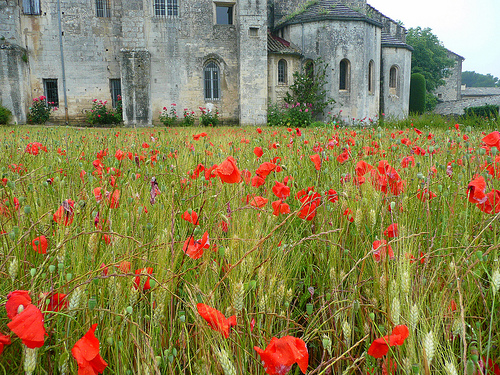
<point x="250" y="251"/>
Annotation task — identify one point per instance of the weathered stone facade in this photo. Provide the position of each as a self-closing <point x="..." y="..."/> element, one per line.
<point x="196" y="52"/>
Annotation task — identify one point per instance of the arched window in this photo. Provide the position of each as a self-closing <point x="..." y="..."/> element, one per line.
<point x="211" y="74"/>
<point x="393" y="80"/>
<point x="309" y="69"/>
<point x="282" y="72"/>
<point x="345" y="72"/>
<point x="371" y="76"/>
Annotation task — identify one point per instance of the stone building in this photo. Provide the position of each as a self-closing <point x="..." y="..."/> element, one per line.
<point x="238" y="55"/>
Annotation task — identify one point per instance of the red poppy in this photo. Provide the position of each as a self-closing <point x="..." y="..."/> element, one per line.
<point x="57" y="301"/>
<point x="113" y="199"/>
<point x="124" y="266"/>
<point x="349" y="214"/>
<point x="228" y="171"/>
<point x="28" y="325"/>
<point x="265" y="168"/>
<point x="258" y="201"/>
<point x="97" y="194"/>
<point x="65" y="213"/>
<point x="4" y="340"/>
<point x="14" y="300"/>
<point x="281" y="354"/>
<point x="194" y="249"/>
<point x="492" y="366"/>
<point x="492" y="204"/>
<point x="258" y="181"/>
<point x="316" y="159"/>
<point x="40" y="245"/>
<point x="332" y="195"/>
<point x="119" y="155"/>
<point x="391" y="231"/>
<point x="475" y="190"/>
<point x="280" y="208"/>
<point x="137" y="280"/>
<point x="258" y="151"/>
<point x="408" y="161"/>
<point x="362" y="168"/>
<point x="86" y="353"/>
<point x="381" y="249"/>
<point x="196" y="173"/>
<point x="380" y="347"/>
<point x="211" y="172"/>
<point x="281" y="190"/>
<point x="216" y="320"/>
<point x="492" y="139"/>
<point x="425" y="195"/>
<point x="191" y="217"/>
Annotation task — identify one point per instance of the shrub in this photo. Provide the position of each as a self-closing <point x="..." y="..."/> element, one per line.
<point x="39" y="112"/>
<point x="5" y="115"/>
<point x="485" y="111"/>
<point x="299" y="115"/>
<point x="100" y="114"/>
<point x="209" y="117"/>
<point x="188" y="119"/>
<point x="168" y="117"/>
<point x="275" y="116"/>
<point x="417" y="93"/>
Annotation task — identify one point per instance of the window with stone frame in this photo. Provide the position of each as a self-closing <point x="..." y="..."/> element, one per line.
<point x="224" y="13"/>
<point x="51" y="92"/>
<point x="371" y="77"/>
<point x="166" y="8"/>
<point x="102" y="8"/>
<point x="211" y="74"/>
<point x="344" y="75"/>
<point x="282" y="72"/>
<point x="31" y="7"/>
<point x="393" y="80"/>
<point x="115" y="88"/>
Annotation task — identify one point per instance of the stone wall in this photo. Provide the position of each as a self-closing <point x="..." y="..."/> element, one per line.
<point x="395" y="102"/>
<point x="457" y="107"/>
<point x="277" y="91"/>
<point x="451" y="90"/>
<point x="13" y="76"/>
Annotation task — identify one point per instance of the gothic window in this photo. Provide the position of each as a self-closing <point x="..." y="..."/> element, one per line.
<point x="224" y="14"/>
<point x="282" y="72"/>
<point x="51" y="93"/>
<point x="31" y="7"/>
<point x="166" y="8"/>
<point x="211" y="75"/>
<point x="115" y="87"/>
<point x="344" y="75"/>
<point x="393" y="80"/>
<point x="371" y="76"/>
<point x="102" y="8"/>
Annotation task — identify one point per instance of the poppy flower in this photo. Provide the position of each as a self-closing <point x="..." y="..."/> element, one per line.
<point x="86" y="353"/>
<point x="332" y="195"/>
<point x="281" y="354"/>
<point x="28" y="325"/>
<point x="40" y="245"/>
<point x="191" y="216"/>
<point x="316" y="159"/>
<point x="258" y="151"/>
<point x="425" y="195"/>
<point x="475" y="190"/>
<point x="280" y="208"/>
<point x="228" y="171"/>
<point x="381" y="249"/>
<point x="492" y="204"/>
<point x="57" y="301"/>
<point x="65" y="213"/>
<point x="4" y="340"/>
<point x="113" y="199"/>
<point x="194" y="249"/>
<point x="349" y="214"/>
<point x="14" y="300"/>
<point x="492" y="139"/>
<point x="124" y="266"/>
<point x="216" y="320"/>
<point x="258" y="181"/>
<point x="281" y="190"/>
<point x="392" y="231"/>
<point x="380" y="347"/>
<point x="258" y="201"/>
<point x="119" y="155"/>
<point x="137" y="280"/>
<point x="310" y="201"/>
<point x="211" y="172"/>
<point x="265" y="169"/>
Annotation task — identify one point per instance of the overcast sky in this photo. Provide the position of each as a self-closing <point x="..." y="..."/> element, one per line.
<point x="470" y="28"/>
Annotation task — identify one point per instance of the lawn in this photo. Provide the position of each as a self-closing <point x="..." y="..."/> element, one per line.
<point x="250" y="251"/>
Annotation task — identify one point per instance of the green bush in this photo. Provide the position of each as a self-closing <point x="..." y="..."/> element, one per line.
<point x="188" y="119"/>
<point x="39" y="112"/>
<point x="169" y="117"/>
<point x="490" y="111"/>
<point x="417" y="93"/>
<point x="209" y="118"/>
<point x="5" y="115"/>
<point x="100" y="114"/>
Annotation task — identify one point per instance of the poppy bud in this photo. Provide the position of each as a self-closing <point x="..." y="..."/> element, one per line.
<point x="52" y="268"/>
<point x="129" y="310"/>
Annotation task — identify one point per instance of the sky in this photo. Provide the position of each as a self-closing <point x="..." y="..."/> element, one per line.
<point x="470" y="28"/>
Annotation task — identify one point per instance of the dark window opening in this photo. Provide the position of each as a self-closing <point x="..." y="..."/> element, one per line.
<point x="31" y="7"/>
<point x="166" y="8"/>
<point x="344" y="75"/>
<point x="370" y="76"/>
<point x="211" y="77"/>
<point x="116" y="91"/>
<point x="393" y="81"/>
<point x="282" y="72"/>
<point x="309" y="68"/>
<point x="51" y="92"/>
<point x="254" y="31"/>
<point x="224" y="14"/>
<point x="102" y="8"/>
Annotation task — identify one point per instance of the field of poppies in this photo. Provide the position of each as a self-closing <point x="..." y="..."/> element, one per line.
<point x="250" y="251"/>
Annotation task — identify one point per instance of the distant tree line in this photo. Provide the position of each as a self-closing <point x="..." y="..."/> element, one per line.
<point x="473" y="79"/>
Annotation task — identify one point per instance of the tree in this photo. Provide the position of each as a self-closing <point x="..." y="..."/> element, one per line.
<point x="417" y="93"/>
<point x="429" y="58"/>
<point x="473" y="79"/>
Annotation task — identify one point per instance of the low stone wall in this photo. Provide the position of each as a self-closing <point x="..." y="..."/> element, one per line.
<point x="457" y="107"/>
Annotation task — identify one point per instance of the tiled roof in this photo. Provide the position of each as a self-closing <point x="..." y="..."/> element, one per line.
<point x="481" y="91"/>
<point x="276" y="44"/>
<point x="389" y="41"/>
<point x="324" y="10"/>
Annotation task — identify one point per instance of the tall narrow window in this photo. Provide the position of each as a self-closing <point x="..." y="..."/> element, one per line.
<point x="51" y="92"/>
<point x="102" y="8"/>
<point x="115" y="87"/>
<point x="159" y="8"/>
<point x="224" y="14"/>
<point x="172" y="8"/>
<point x="211" y="78"/>
<point x="282" y="72"/>
<point x="371" y="76"/>
<point x="31" y="7"/>
<point x="344" y="74"/>
<point x="309" y="69"/>
<point x="393" y="80"/>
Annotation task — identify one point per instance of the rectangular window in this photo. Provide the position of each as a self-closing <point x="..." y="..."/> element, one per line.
<point x="51" y="93"/>
<point x="166" y="8"/>
<point x="224" y="14"/>
<point x="115" y="87"/>
<point x="254" y="31"/>
<point x="102" y="8"/>
<point x="31" y="7"/>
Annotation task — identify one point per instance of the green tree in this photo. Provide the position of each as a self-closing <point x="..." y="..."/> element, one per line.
<point x="417" y="93"/>
<point x="473" y="79"/>
<point x="429" y="58"/>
